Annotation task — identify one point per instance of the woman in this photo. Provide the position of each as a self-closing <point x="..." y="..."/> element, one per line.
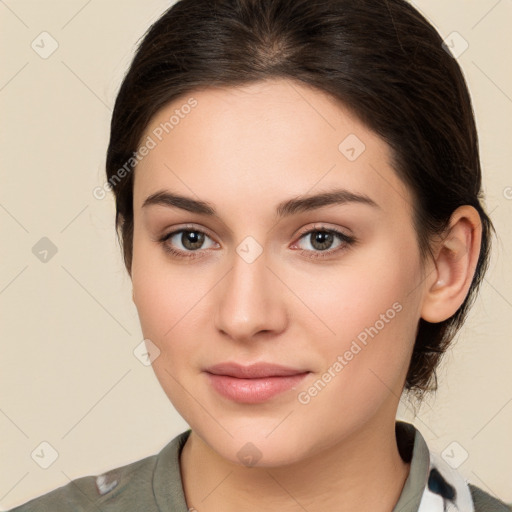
<point x="298" y="194"/>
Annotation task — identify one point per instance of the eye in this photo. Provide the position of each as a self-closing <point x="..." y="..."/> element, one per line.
<point x="185" y="242"/>
<point x="320" y="241"/>
<point x="190" y="242"/>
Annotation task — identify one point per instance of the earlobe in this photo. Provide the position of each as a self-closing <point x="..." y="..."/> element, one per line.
<point x="456" y="257"/>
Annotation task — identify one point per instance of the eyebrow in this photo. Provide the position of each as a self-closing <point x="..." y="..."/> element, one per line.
<point x="284" y="209"/>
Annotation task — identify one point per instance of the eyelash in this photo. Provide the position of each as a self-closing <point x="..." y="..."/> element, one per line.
<point x="346" y="240"/>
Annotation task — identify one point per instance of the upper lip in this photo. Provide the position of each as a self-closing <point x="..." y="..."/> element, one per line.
<point x="253" y="371"/>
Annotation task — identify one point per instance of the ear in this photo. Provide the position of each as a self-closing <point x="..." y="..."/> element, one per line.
<point x="456" y="257"/>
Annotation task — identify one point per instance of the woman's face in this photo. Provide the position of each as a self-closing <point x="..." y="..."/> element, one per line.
<point x="261" y="278"/>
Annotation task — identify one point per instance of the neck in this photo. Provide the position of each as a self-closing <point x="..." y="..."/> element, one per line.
<point x="364" y="471"/>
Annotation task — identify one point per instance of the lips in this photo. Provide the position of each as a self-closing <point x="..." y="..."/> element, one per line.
<point x="253" y="383"/>
<point x="253" y="371"/>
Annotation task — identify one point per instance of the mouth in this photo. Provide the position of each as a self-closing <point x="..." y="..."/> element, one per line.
<point x="255" y="383"/>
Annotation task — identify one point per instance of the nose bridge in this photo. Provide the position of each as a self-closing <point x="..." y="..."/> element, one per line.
<point x="249" y="302"/>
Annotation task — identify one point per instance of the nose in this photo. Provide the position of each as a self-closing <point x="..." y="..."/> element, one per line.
<point x="250" y="301"/>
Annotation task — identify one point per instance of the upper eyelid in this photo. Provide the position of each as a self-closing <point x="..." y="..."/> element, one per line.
<point x="187" y="228"/>
<point x="324" y="227"/>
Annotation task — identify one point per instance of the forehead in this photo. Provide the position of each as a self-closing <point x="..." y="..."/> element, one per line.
<point x="268" y="140"/>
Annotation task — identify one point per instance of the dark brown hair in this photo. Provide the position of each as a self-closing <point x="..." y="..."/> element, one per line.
<point x="380" y="58"/>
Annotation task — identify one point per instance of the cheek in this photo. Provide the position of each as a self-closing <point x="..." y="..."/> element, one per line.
<point x="172" y="304"/>
<point x="167" y="304"/>
<point x="364" y="363"/>
<point x="170" y="311"/>
<point x="159" y="294"/>
<point x="365" y="291"/>
<point x="366" y="315"/>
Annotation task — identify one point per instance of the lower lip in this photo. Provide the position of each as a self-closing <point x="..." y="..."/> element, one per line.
<point x="253" y="391"/>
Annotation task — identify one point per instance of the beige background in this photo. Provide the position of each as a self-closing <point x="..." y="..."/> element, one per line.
<point x="68" y="373"/>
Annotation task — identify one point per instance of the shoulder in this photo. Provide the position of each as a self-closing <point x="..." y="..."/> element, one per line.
<point x="109" y="491"/>
<point x="484" y="502"/>
<point x="128" y="487"/>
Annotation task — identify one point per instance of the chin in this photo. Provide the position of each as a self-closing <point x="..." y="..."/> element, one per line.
<point x="257" y="445"/>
